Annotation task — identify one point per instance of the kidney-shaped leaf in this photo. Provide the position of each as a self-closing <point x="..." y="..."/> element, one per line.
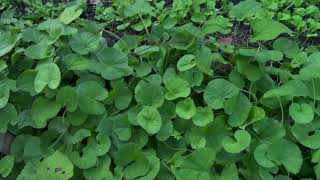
<point x="286" y="153"/>
<point x="149" y="119"/>
<point x="242" y="138"/>
<point x="217" y="91"/>
<point x="301" y="113"/>
<point x="48" y="74"/>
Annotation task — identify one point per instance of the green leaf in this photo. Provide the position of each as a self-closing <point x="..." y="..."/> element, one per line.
<point x="149" y="119"/>
<point x="84" y="42"/>
<point x="261" y="158"/>
<point x="229" y="171"/>
<point x="186" y="62"/>
<point x="149" y="93"/>
<point x="307" y="134"/>
<point x="48" y="75"/>
<point x="238" y="107"/>
<point x="293" y="88"/>
<point x="301" y="113"/>
<point x="67" y="96"/>
<point x="245" y="9"/>
<point x="288" y="47"/>
<point x="268" y="29"/>
<point x="139" y="7"/>
<point x="217" y="91"/>
<point x="43" y="110"/>
<point x="204" y="59"/>
<point x="8" y="41"/>
<point x="79" y="135"/>
<point x="216" y="24"/>
<point x="39" y="51"/>
<point x="195" y="165"/>
<point x="111" y="64"/>
<point x="8" y="114"/>
<point x="203" y="116"/>
<point x="101" y="171"/>
<point x="240" y="142"/>
<point x="55" y="167"/>
<point x="4" y="95"/>
<point x="70" y="14"/>
<point x="186" y="108"/>
<point x="86" y="160"/>
<point x="176" y="88"/>
<point x="90" y="96"/>
<point x="76" y="62"/>
<point x="286" y="153"/>
<point x="6" y="165"/>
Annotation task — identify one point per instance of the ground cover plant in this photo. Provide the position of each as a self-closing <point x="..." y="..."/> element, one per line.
<point x="142" y="90"/>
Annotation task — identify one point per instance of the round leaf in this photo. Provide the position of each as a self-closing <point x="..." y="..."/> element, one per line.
<point x="149" y="119"/>
<point x="186" y="108"/>
<point x="301" y="113"/>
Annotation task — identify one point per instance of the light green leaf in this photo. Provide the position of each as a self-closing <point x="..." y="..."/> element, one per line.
<point x="293" y="88"/>
<point x="84" y="42"/>
<point x="76" y="62"/>
<point x="186" y="62"/>
<point x="203" y="116"/>
<point x="301" y="113"/>
<point x="139" y="7"/>
<point x="39" y="51"/>
<point x="86" y="160"/>
<point x="217" y="91"/>
<point x="267" y="29"/>
<point x="149" y="119"/>
<point x="48" y="75"/>
<point x="176" y="87"/>
<point x="8" y="41"/>
<point x="216" y="24"/>
<point x="6" y="165"/>
<point x="237" y="144"/>
<point x="55" y="167"/>
<point x="245" y="9"/>
<point x="70" y="14"/>
<point x="186" y="108"/>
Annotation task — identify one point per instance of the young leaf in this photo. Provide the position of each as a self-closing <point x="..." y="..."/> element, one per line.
<point x="243" y="139"/>
<point x="203" y="116"/>
<point x="70" y="14"/>
<point x="149" y="119"/>
<point x="186" y="108"/>
<point x="6" y="165"/>
<point x="186" y="62"/>
<point x="48" y="75"/>
<point x="301" y="113"/>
